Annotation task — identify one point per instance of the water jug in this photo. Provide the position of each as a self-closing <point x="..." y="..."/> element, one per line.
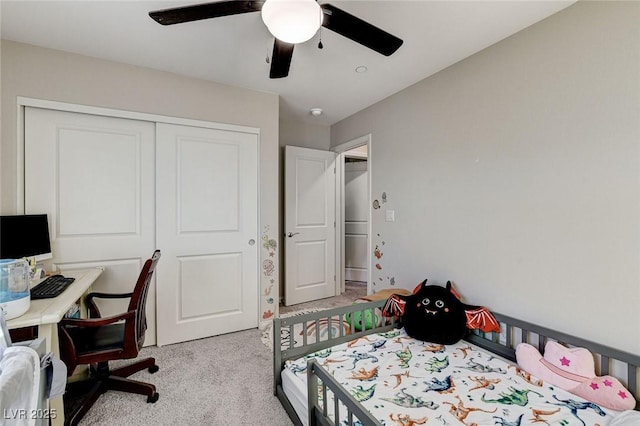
<point x="15" y="298"/>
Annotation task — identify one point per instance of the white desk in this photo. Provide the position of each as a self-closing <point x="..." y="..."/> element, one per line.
<point x="47" y="313"/>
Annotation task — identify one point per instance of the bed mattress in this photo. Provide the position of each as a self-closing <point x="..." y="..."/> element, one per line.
<point x="401" y="381"/>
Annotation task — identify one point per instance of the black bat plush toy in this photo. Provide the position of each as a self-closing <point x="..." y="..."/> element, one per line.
<point x="436" y="314"/>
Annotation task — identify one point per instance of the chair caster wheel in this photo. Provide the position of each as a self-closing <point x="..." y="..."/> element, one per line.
<point x="153" y="369"/>
<point x="153" y="398"/>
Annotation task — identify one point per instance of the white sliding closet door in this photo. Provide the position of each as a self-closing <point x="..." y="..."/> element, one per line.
<point x="94" y="176"/>
<point x="207" y="229"/>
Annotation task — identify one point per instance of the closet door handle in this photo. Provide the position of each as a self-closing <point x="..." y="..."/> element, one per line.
<point x="291" y="234"/>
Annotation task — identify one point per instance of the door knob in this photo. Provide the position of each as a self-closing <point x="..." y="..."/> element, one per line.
<point x="252" y="242"/>
<point x="291" y="234"/>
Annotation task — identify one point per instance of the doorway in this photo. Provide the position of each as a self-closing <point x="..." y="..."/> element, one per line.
<point x="354" y="214"/>
<point x="355" y="221"/>
<point x="353" y="256"/>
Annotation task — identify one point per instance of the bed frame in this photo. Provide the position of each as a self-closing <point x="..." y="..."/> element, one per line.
<point x="623" y="365"/>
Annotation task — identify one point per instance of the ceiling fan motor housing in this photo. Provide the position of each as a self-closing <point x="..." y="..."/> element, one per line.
<point x="292" y="21"/>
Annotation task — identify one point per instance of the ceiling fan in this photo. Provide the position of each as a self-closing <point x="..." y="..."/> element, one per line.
<point x="291" y="22"/>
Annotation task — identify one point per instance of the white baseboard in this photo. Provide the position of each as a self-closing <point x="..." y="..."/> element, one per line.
<point x="352" y="274"/>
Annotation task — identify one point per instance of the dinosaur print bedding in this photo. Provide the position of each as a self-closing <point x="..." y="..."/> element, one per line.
<point x="403" y="381"/>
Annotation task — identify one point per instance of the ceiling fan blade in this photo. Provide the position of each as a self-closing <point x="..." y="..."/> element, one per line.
<point x="356" y="29"/>
<point x="281" y="59"/>
<point x="197" y="12"/>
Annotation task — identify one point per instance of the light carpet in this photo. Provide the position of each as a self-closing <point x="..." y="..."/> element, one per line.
<point x="222" y="380"/>
<point x="225" y="380"/>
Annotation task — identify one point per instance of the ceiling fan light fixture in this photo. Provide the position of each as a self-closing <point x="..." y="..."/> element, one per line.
<point x="292" y="21"/>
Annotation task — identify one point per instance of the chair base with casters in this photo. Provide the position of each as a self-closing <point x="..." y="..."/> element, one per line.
<point x="102" y="379"/>
<point x="98" y="340"/>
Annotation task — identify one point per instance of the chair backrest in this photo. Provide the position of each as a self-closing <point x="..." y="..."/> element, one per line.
<point x="138" y="301"/>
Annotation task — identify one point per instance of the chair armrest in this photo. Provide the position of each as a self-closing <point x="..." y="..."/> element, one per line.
<point x="94" y="312"/>
<point x="108" y="295"/>
<point x="98" y="322"/>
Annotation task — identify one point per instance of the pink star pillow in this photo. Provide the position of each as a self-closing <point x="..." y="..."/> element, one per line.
<point x="573" y="369"/>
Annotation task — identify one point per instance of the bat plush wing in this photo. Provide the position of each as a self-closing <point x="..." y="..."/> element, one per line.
<point x="479" y="317"/>
<point x="394" y="306"/>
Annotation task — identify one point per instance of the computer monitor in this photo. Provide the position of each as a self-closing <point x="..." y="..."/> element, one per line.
<point x="25" y="236"/>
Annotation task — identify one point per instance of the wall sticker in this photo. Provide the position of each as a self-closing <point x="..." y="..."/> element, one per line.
<point x="269" y="272"/>
<point x="381" y="281"/>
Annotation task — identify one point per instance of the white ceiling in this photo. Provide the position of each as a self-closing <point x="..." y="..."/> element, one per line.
<point x="233" y="49"/>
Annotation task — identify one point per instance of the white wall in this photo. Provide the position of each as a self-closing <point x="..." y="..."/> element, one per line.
<point x="516" y="174"/>
<point x="41" y="73"/>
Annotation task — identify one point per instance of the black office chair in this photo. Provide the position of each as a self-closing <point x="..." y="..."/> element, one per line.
<point x="96" y="341"/>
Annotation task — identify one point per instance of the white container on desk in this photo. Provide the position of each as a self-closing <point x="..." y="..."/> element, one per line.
<point x="15" y="298"/>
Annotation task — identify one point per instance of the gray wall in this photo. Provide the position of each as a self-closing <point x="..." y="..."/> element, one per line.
<point x="516" y="174"/>
<point x="306" y="135"/>
<point x="41" y="73"/>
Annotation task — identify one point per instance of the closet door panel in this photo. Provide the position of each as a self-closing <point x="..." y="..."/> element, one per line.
<point x="99" y="176"/>
<point x="95" y="178"/>
<point x="207" y="226"/>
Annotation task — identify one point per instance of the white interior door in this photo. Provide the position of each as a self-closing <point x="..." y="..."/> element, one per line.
<point x="94" y="177"/>
<point x="309" y="225"/>
<point x="207" y="229"/>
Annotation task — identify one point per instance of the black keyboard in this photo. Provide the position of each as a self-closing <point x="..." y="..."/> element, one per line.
<point x="51" y="287"/>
